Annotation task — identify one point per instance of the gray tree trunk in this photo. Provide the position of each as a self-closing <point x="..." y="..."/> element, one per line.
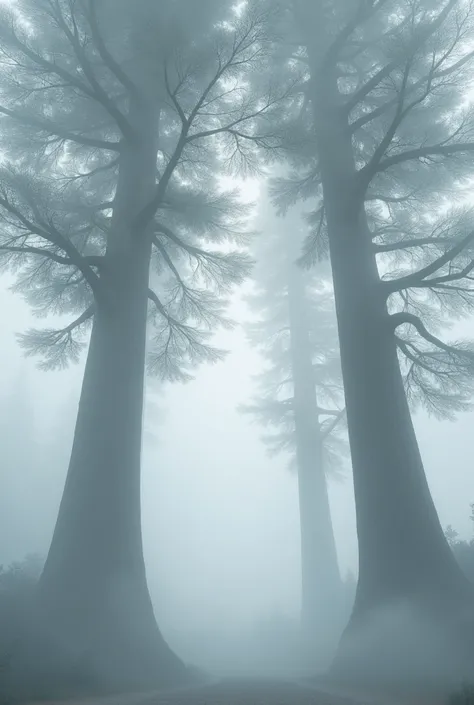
<point x="405" y="563"/>
<point x="93" y="590"/>
<point x="321" y="582"/>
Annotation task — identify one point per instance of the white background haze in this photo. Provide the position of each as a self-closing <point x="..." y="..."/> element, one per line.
<point x="220" y="518"/>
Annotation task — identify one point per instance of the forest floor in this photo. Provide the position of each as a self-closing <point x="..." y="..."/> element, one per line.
<point x="247" y="692"/>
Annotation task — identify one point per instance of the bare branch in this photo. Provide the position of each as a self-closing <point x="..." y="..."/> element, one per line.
<point x="36" y="251"/>
<point x="327" y="432"/>
<point x="386" y="70"/>
<point x="51" y="128"/>
<point x="446" y="150"/>
<point x="48" y="232"/>
<point x="105" y="54"/>
<point x="369" y="86"/>
<point x="381" y="109"/>
<point x="91" y="260"/>
<point x="98" y="92"/>
<point x="409" y="243"/>
<point x="153" y="297"/>
<point x="414" y="279"/>
<point x="399" y="319"/>
<point x="365" y="10"/>
<point x="235" y="59"/>
<point x="367" y="173"/>
<point x="173" y="94"/>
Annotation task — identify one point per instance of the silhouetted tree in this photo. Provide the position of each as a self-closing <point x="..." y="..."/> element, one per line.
<point x="300" y="399"/>
<point x="118" y="118"/>
<point x="389" y="143"/>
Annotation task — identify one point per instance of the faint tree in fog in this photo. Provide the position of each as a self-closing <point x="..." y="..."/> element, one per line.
<point x="154" y="414"/>
<point x="300" y="398"/>
<point x="389" y="146"/>
<point x="462" y="549"/>
<point x="118" y="119"/>
<point x="19" y="470"/>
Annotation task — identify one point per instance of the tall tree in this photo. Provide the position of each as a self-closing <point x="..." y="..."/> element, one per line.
<point x="385" y="103"/>
<point x="301" y="398"/>
<point x="119" y="118"/>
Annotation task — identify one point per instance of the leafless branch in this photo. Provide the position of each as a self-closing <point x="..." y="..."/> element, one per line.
<point x="398" y="319"/>
<point x="97" y="91"/>
<point x="105" y="54"/>
<point x="416" y="278"/>
<point x="51" y="128"/>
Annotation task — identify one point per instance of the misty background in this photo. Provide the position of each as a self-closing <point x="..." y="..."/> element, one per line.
<point x="220" y="517"/>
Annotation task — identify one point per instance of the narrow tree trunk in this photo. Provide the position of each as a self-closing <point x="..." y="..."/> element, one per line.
<point x="404" y="559"/>
<point x="93" y="589"/>
<point x="321" y="582"/>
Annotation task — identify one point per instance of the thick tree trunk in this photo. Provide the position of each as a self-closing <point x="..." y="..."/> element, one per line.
<point x="93" y="590"/>
<point x="407" y="573"/>
<point x="321" y="582"/>
<point x="405" y="563"/>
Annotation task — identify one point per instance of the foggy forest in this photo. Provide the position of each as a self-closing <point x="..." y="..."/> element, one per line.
<point x="237" y="352"/>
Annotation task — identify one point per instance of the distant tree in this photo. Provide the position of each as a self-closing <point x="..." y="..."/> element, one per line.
<point x="462" y="549"/>
<point x="451" y="535"/>
<point x="54" y="450"/>
<point x="154" y="413"/>
<point x="118" y="118"/>
<point x="18" y="461"/>
<point x="300" y="398"/>
<point x="389" y="143"/>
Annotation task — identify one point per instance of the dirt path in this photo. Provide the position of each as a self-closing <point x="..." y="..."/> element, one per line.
<point x="240" y="692"/>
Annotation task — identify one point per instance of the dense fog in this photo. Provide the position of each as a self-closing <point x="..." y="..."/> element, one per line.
<point x="220" y="517"/>
<point x="236" y="352"/>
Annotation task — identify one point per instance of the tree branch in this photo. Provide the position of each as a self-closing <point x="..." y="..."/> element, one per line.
<point x="49" y="233"/>
<point x="388" y="68"/>
<point x="173" y="322"/>
<point x="191" y="249"/>
<point x="366" y="174"/>
<point x="56" y="346"/>
<point x="369" y="86"/>
<point x="333" y="425"/>
<point x="169" y="262"/>
<point x="53" y="129"/>
<point x="154" y="298"/>
<point x="86" y="316"/>
<point x="377" y="112"/>
<point x="105" y="55"/>
<point x="408" y="243"/>
<point x="415" y="359"/>
<point x="49" y="66"/>
<point x="36" y="251"/>
<point x="416" y="278"/>
<point x="398" y="319"/>
<point x="390" y="199"/>
<point x="364" y="11"/>
<point x="240" y="45"/>
<point x="98" y="92"/>
<point x="431" y="151"/>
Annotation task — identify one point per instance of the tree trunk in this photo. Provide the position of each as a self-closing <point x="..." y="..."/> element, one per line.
<point x="405" y="562"/>
<point x="93" y="590"/>
<point x="407" y="572"/>
<point x="321" y="582"/>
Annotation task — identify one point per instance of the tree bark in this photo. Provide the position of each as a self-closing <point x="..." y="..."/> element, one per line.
<point x="321" y="582"/>
<point x="404" y="559"/>
<point x="93" y="590"/>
